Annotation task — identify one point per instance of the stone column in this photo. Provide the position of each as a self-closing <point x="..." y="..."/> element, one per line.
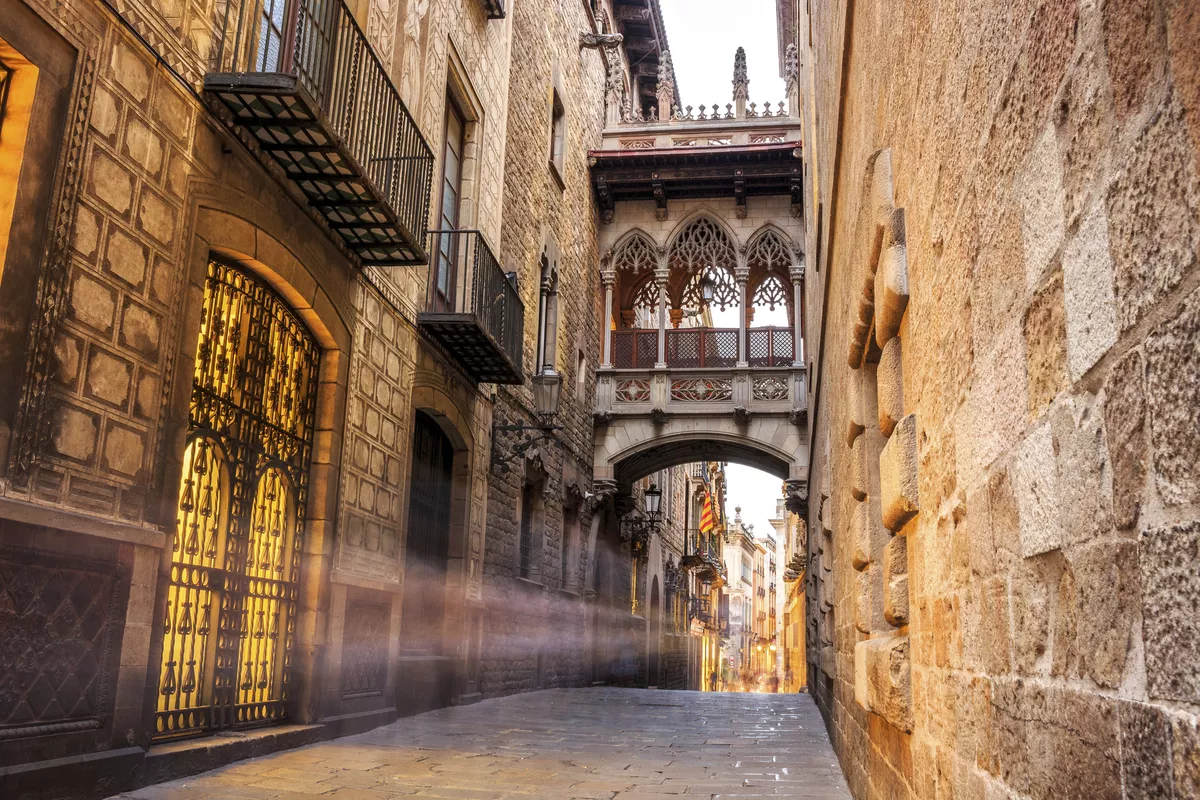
<point x="660" y="278"/>
<point x="608" y="278"/>
<point x="742" y="276"/>
<point x="796" y="273"/>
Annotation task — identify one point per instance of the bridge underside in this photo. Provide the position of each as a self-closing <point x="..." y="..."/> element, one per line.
<point x="630" y="447"/>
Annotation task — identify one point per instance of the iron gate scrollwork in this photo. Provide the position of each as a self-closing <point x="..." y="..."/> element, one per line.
<point x="230" y="612"/>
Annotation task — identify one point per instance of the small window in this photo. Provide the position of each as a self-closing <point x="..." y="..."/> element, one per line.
<point x="581" y="373"/>
<point x="526" y="542"/>
<point x="558" y="136"/>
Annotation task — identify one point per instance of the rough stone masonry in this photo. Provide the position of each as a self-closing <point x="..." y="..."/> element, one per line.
<point x="1005" y="222"/>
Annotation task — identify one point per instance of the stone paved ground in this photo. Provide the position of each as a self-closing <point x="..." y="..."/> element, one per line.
<point x="617" y="744"/>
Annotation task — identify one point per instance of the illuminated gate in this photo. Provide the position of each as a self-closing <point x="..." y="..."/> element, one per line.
<point x="230" y="610"/>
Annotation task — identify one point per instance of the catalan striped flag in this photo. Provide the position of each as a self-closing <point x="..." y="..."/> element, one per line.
<point x="706" y="514"/>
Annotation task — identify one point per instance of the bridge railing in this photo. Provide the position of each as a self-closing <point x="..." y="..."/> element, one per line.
<point x="778" y="390"/>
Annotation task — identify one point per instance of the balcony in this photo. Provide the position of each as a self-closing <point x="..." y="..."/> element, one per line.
<point x="494" y="9"/>
<point x="473" y="309"/>
<point x="306" y="86"/>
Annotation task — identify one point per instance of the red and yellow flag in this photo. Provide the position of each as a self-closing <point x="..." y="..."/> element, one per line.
<point x="706" y="514"/>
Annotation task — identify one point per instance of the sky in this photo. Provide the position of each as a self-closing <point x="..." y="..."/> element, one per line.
<point x="704" y="34"/>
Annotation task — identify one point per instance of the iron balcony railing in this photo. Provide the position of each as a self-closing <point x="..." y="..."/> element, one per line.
<point x="466" y="279"/>
<point x="494" y="9"/>
<point x="634" y="348"/>
<point x="318" y="46"/>
<point x="770" y="347"/>
<point x="637" y="348"/>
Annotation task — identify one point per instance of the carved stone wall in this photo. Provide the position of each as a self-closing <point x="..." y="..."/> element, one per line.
<point x="1017" y="445"/>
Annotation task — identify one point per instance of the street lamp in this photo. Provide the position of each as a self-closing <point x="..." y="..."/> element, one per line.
<point x="547" y="392"/>
<point x="653" y="500"/>
<point x="708" y="288"/>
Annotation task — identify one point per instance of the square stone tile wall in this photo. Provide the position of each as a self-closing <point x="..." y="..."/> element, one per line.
<point x="1045" y="154"/>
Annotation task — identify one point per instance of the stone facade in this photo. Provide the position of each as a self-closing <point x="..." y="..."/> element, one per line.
<point x="132" y="181"/>
<point x="1002" y="220"/>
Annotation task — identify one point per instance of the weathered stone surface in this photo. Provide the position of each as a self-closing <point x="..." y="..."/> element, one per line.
<point x="131" y="71"/>
<point x="1088" y="298"/>
<point x="890" y="379"/>
<point x="1145" y="751"/>
<point x="1136" y="52"/>
<point x="986" y="637"/>
<point x="1173" y="383"/>
<point x="1170" y="594"/>
<point x="1071" y="744"/>
<point x="1035" y="474"/>
<point x="1126" y="434"/>
<point x="862" y="536"/>
<point x="898" y="475"/>
<point x="891" y="280"/>
<point x="126" y="258"/>
<point x="1152" y="216"/>
<point x="1185" y="746"/>
<point x="1031" y="595"/>
<point x="1046" y="345"/>
<point x="889" y="680"/>
<point x="1084" y="118"/>
<point x="1040" y="194"/>
<point x="75" y="434"/>
<point x="895" y="581"/>
<point x="111" y="182"/>
<point x="157" y="218"/>
<point x="108" y="378"/>
<point x="144" y="146"/>
<point x="123" y="450"/>
<point x="93" y="303"/>
<point x="1085" y="478"/>
<point x="862" y="691"/>
<point x="861" y="486"/>
<point x="140" y="329"/>
<point x="1105" y="575"/>
<point x="863" y="612"/>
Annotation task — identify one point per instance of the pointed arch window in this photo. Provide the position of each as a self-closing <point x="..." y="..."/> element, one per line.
<point x="700" y="246"/>
<point x="634" y="256"/>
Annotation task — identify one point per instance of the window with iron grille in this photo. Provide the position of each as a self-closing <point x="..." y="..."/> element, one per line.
<point x="525" y="545"/>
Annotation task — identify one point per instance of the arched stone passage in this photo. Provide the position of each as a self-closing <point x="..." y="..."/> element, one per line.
<point x="630" y="448"/>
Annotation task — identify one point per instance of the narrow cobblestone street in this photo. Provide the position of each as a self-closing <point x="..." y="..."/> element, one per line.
<point x="623" y="744"/>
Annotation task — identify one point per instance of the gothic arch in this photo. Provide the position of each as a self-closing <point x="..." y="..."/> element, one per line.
<point x="693" y="214"/>
<point x="635" y="252"/>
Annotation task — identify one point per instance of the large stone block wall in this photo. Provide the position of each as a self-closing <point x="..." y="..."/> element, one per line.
<point x="1039" y="408"/>
<point x="535" y="633"/>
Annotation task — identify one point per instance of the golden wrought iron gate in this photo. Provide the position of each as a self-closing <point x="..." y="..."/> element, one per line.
<point x="230" y="611"/>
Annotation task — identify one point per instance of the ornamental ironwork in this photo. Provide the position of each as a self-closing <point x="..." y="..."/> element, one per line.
<point x="702" y="390"/>
<point x="230" y="614"/>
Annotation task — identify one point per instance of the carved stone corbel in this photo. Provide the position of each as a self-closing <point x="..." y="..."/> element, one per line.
<point x="796" y="495"/>
<point x="587" y="39"/>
